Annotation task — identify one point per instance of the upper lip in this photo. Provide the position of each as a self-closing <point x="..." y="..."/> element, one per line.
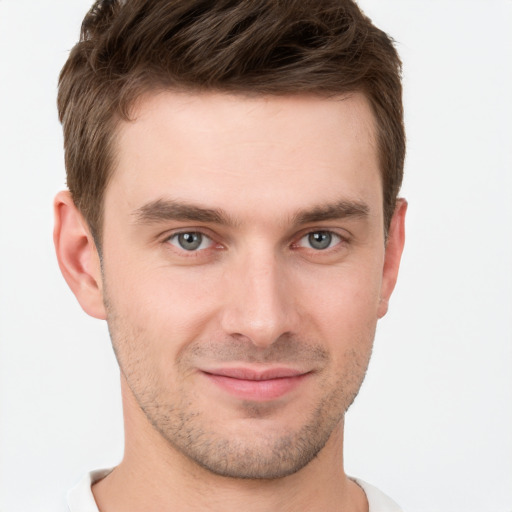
<point x="244" y="373"/>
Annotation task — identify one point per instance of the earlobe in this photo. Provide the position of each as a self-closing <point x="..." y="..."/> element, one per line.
<point x="393" y="254"/>
<point x="77" y="255"/>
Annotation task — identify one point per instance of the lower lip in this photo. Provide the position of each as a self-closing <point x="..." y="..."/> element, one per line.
<point x="257" y="390"/>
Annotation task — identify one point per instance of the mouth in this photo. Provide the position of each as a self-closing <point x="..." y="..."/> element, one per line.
<point x="259" y="385"/>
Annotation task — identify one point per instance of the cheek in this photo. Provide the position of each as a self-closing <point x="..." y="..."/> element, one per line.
<point x="163" y="306"/>
<point x="341" y="312"/>
<point x="342" y="300"/>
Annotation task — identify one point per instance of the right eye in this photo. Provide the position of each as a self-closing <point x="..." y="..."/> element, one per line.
<point x="190" y="241"/>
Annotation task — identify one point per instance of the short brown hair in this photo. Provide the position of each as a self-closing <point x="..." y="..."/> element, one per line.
<point x="266" y="47"/>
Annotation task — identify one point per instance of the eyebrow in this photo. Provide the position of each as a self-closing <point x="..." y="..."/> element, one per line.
<point x="162" y="210"/>
<point x="339" y="210"/>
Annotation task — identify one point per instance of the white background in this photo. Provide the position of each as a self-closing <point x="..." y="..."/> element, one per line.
<point x="433" y="423"/>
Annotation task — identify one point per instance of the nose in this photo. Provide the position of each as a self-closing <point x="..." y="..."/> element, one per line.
<point x="259" y="302"/>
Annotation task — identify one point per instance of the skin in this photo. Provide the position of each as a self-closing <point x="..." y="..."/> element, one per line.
<point x="260" y="183"/>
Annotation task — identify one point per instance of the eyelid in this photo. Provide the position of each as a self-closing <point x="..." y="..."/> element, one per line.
<point x="343" y="236"/>
<point x="169" y="233"/>
<point x="341" y="233"/>
<point x="165" y="239"/>
<point x="343" y="239"/>
<point x="205" y="239"/>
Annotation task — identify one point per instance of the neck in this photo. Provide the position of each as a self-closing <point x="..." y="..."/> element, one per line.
<point x="153" y="471"/>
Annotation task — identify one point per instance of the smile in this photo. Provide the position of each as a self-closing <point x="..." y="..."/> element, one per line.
<point x="261" y="386"/>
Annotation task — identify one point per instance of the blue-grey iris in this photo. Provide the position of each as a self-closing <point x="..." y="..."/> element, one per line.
<point x="190" y="241"/>
<point x="320" y="239"/>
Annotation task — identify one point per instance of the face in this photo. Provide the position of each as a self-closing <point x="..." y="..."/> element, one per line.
<point x="243" y="262"/>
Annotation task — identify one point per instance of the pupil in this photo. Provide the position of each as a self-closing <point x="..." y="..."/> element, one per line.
<point x="320" y="240"/>
<point x="190" y="241"/>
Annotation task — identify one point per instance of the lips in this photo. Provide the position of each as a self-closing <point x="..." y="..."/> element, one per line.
<point x="256" y="384"/>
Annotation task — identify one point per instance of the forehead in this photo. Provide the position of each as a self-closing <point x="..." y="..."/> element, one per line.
<point x="213" y="148"/>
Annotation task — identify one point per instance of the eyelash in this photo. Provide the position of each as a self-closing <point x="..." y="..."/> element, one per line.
<point x="324" y="232"/>
<point x="340" y="241"/>
<point x="203" y="239"/>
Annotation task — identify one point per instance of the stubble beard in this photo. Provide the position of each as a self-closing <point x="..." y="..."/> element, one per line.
<point x="269" y="454"/>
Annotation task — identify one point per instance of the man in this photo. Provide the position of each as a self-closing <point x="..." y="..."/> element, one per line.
<point x="233" y="171"/>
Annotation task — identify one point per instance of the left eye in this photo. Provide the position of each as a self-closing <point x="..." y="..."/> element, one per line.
<point x="190" y="241"/>
<point x="320" y="240"/>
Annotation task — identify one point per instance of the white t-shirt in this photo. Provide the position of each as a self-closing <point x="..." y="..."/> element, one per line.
<point x="81" y="499"/>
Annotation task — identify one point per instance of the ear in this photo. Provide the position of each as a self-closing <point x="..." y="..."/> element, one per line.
<point x="394" y="248"/>
<point x="77" y="255"/>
